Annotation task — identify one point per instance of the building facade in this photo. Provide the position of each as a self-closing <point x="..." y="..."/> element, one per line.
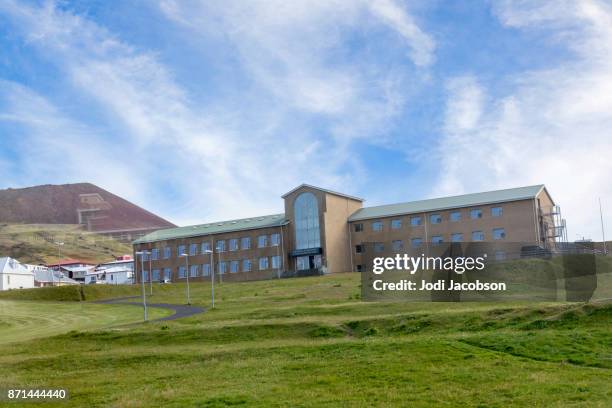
<point x="323" y="231"/>
<point x="117" y="272"/>
<point x="14" y="275"/>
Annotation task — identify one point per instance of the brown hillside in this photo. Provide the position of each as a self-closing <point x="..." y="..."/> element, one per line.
<point x="81" y="203"/>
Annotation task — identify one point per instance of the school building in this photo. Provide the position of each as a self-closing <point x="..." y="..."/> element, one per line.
<point x="324" y="231"/>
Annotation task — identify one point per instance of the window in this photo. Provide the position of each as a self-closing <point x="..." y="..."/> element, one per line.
<point x="396" y="224"/>
<point x="246" y="265"/>
<point x="167" y="252"/>
<point x="221" y="246"/>
<point x="477" y="236"/>
<point x="476" y="213"/>
<point x="302" y="263"/>
<point x="234" y="266"/>
<point x="206" y="269"/>
<point x="275" y="239"/>
<point x="205" y="247"/>
<point x="245" y="243"/>
<point x="307" y="232"/>
<point x="182" y="272"/>
<point x="397" y="245"/>
<point x="437" y="239"/>
<point x="500" y="255"/>
<point x="233" y="244"/>
<point x="415" y="221"/>
<point x="499" y="233"/>
<point x="435" y="218"/>
<point x="194" y="271"/>
<point x="359" y="268"/>
<point x="457" y="237"/>
<point x="497" y="212"/>
<point x="276" y="262"/>
<point x="358" y="227"/>
<point x="377" y="226"/>
<point x="155" y="254"/>
<point x="359" y="249"/>
<point x="222" y="268"/>
<point x="156" y="275"/>
<point x="145" y="255"/>
<point x="262" y="241"/>
<point x="180" y="250"/>
<point x="455" y="216"/>
<point x="145" y="276"/>
<point x="193" y="249"/>
<point x="379" y="247"/>
<point x="263" y="263"/>
<point x="167" y="273"/>
<point x="416" y="242"/>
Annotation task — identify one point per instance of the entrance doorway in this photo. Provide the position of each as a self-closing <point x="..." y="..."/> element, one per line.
<point x="310" y="262"/>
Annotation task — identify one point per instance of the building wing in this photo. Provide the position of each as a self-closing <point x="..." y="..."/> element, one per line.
<point x="443" y="203"/>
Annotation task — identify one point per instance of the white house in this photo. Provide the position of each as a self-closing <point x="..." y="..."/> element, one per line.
<point x="118" y="272"/>
<point x="94" y="276"/>
<point x="78" y="273"/>
<point x="13" y="275"/>
<point x="119" y="275"/>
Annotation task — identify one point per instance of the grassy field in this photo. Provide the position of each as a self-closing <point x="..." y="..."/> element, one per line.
<point x="26" y="320"/>
<point x="312" y="342"/>
<point x="36" y="243"/>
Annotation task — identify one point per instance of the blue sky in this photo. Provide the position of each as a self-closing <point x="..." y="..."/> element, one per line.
<point x="206" y="110"/>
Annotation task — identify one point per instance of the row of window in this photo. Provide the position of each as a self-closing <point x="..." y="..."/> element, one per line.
<point x="417" y="220"/>
<point x="398" y="244"/>
<point x="221" y="245"/>
<point x="244" y="265"/>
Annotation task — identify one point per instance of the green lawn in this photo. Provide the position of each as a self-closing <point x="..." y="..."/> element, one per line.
<point x="26" y="320"/>
<point x="312" y="342"/>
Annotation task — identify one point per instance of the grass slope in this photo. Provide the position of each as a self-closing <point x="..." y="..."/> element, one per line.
<point x="36" y="243"/>
<point x="26" y="320"/>
<point x="312" y="342"/>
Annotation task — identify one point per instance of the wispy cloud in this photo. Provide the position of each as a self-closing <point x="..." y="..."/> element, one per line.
<point x="223" y="164"/>
<point x="52" y="146"/>
<point x="553" y="127"/>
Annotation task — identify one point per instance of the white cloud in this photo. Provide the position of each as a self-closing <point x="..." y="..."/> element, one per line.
<point x="465" y="103"/>
<point x="553" y="128"/>
<point x="219" y="163"/>
<point x="53" y="147"/>
<point x="421" y="45"/>
<point x="297" y="52"/>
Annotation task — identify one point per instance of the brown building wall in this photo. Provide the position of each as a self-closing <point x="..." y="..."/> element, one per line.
<point x="254" y="253"/>
<point x="337" y="243"/>
<point x="334" y="211"/>
<point x="517" y="220"/>
<point x="544" y="207"/>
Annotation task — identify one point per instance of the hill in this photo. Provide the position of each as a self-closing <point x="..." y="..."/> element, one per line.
<point x="82" y="203"/>
<point x="312" y="342"/>
<point x="36" y="243"/>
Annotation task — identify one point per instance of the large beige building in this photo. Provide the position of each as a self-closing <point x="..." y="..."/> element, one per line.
<point x="323" y="231"/>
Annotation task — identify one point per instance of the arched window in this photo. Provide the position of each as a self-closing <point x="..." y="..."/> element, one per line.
<point x="307" y="233"/>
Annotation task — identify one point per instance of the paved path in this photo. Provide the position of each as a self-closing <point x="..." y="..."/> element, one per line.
<point x="180" y="311"/>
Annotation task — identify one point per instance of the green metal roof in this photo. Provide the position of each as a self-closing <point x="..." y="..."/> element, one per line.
<point x="434" y="204"/>
<point x="242" y="224"/>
